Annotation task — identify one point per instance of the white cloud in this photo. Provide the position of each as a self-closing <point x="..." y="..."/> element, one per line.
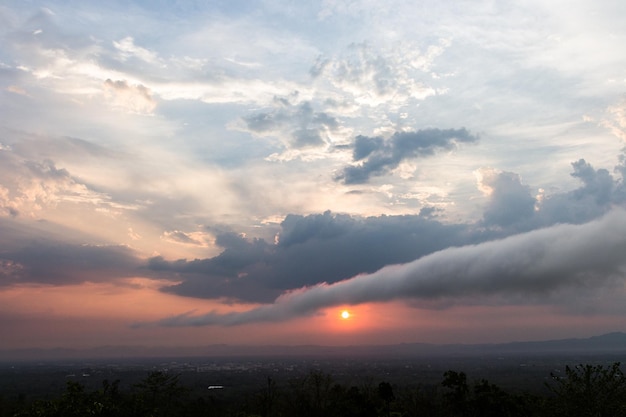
<point x="133" y="98"/>
<point x="186" y="238"/>
<point x="32" y="187"/>
<point x="374" y="77"/>
<point x="128" y="49"/>
<point x="616" y="122"/>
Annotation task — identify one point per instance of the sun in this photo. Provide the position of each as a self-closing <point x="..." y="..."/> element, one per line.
<point x="345" y="314"/>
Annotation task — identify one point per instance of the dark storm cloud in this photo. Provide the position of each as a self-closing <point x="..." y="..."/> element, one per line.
<point x="536" y="264"/>
<point x="514" y="207"/>
<point x="333" y="247"/>
<point x="377" y="156"/>
<point x="61" y="264"/>
<point x="301" y="124"/>
<point x="621" y="168"/>
<point x="321" y="247"/>
<point x="364" y="146"/>
<point x="597" y="183"/>
<point x="599" y="192"/>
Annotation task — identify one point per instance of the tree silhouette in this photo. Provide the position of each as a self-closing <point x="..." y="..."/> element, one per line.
<point x="310" y="396"/>
<point x="76" y="402"/>
<point x="159" y="394"/>
<point x="457" y="397"/>
<point x="588" y="390"/>
<point x="385" y="392"/>
<point x="267" y="398"/>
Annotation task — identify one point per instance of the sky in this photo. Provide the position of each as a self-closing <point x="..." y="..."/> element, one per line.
<point x="187" y="173"/>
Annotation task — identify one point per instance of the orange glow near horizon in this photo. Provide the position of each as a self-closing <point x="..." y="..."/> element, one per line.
<point x="95" y="314"/>
<point x="137" y="298"/>
<point x="345" y="321"/>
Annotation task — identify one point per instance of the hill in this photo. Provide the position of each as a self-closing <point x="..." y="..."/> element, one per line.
<point x="607" y="343"/>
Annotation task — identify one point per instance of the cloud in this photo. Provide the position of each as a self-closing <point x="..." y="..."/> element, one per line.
<point x="617" y="121"/>
<point x="534" y="264"/>
<point x="58" y="263"/>
<point x="512" y="206"/>
<point x="30" y="186"/>
<point x="128" y="49"/>
<point x="599" y="192"/>
<point x="82" y="65"/>
<point x="47" y="147"/>
<point x="371" y="77"/>
<point x="17" y="90"/>
<point x="309" y="249"/>
<point x="598" y="184"/>
<point x="177" y="236"/>
<point x="510" y="200"/>
<point x="516" y="73"/>
<point x="331" y="247"/>
<point x="377" y="156"/>
<point x="295" y="125"/>
<point x="133" y="98"/>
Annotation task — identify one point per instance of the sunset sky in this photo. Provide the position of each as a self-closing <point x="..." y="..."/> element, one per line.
<point x="231" y="171"/>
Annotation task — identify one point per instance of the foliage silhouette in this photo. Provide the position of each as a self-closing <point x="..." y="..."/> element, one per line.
<point x="584" y="390"/>
<point x="588" y="390"/>
<point x="159" y="394"/>
<point x="385" y="392"/>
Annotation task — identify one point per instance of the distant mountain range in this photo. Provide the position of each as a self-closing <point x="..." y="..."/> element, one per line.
<point x="607" y="343"/>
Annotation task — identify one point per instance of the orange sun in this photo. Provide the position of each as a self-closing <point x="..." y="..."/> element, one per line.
<point x="345" y="314"/>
